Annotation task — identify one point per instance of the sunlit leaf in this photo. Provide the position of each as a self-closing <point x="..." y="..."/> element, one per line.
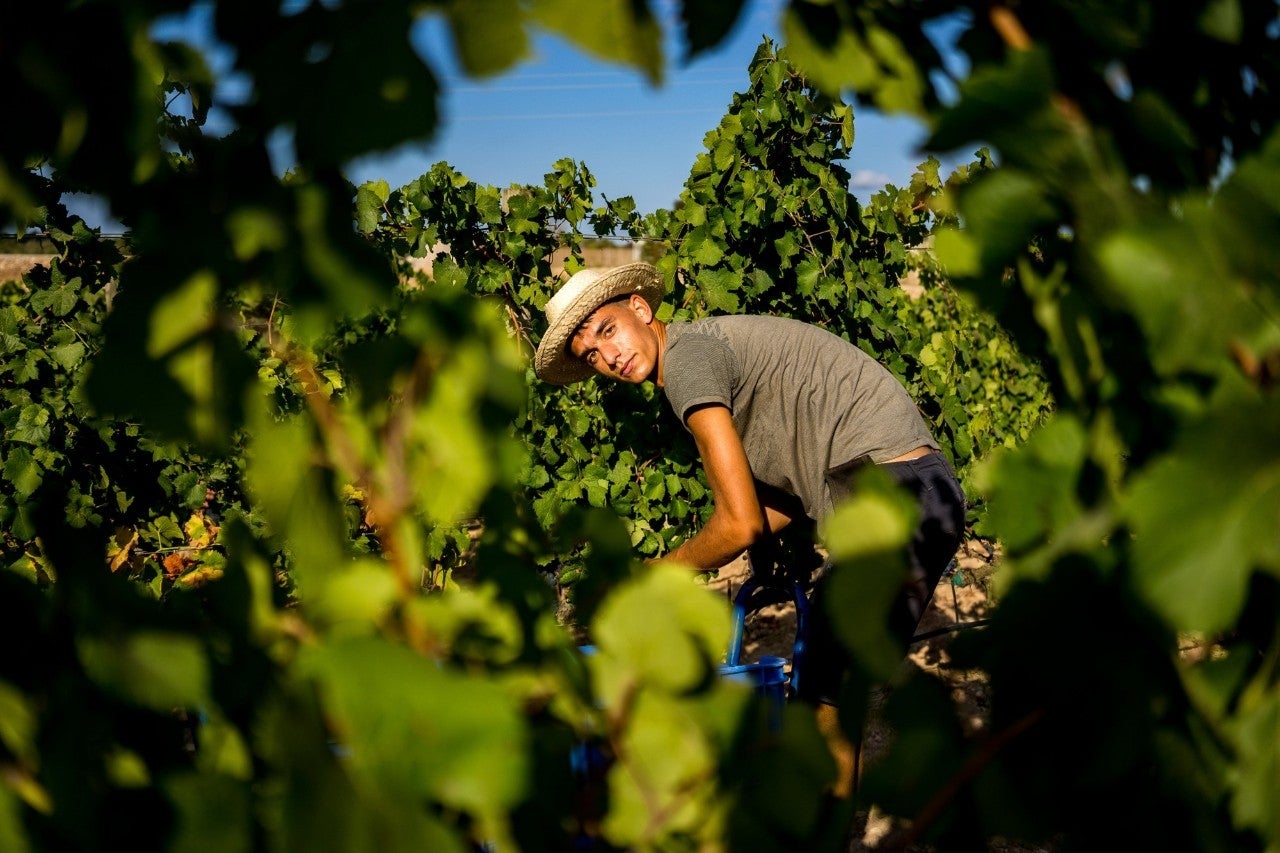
<point x="489" y="35"/>
<point x="23" y="472"/>
<point x="17" y="724"/>
<point x="255" y="231"/>
<point x="664" y="775"/>
<point x="866" y="536"/>
<point x="13" y="835"/>
<point x="614" y="30"/>
<point x="674" y="653"/>
<point x="414" y="729"/>
<point x="181" y="314"/>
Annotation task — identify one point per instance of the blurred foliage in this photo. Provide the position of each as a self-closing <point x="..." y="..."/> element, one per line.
<point x="262" y="393"/>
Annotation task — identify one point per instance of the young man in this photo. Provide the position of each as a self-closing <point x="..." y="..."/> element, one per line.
<point x="783" y="413"/>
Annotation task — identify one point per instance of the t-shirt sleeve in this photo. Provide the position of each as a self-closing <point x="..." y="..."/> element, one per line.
<point x="699" y="369"/>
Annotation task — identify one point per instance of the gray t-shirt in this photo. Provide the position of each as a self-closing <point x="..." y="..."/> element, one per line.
<point x="804" y="400"/>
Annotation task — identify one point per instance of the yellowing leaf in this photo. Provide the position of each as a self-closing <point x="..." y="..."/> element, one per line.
<point x="120" y="547"/>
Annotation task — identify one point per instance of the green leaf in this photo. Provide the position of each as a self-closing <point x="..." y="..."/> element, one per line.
<point x="158" y="670"/>
<point x="724" y="155"/>
<point x="867" y="536"/>
<point x="1213" y="501"/>
<point x="393" y="99"/>
<point x="1031" y="493"/>
<point x="17" y="724"/>
<point x="67" y="355"/>
<point x="27" y="368"/>
<point x="718" y="289"/>
<point x="1253" y="800"/>
<point x="13" y="836"/>
<point x="674" y="653"/>
<point x="255" y="231"/>
<point x="414" y="728"/>
<point x="655" y="486"/>
<point x="614" y="30"/>
<point x="1222" y="20"/>
<point x="167" y="530"/>
<point x="1008" y="106"/>
<point x="212" y="812"/>
<point x="579" y="421"/>
<point x="370" y="198"/>
<point x="59" y="300"/>
<point x="355" y="594"/>
<point x="182" y="314"/>
<point x="1002" y="210"/>
<point x="834" y="56"/>
<point x="23" y="472"/>
<point x="488" y="35"/>
<point x="597" y="492"/>
<point x="707" y="22"/>
<point x="667" y="759"/>
<point x="1159" y="269"/>
<point x="33" y="425"/>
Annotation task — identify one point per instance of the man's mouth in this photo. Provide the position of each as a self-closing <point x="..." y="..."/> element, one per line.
<point x="626" y="366"/>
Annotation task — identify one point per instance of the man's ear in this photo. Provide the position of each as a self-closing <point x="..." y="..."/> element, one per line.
<point x="641" y="307"/>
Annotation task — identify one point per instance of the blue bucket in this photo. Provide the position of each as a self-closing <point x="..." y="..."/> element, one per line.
<point x="769" y="678"/>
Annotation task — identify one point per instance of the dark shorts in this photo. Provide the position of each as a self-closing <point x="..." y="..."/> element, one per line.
<point x="933" y="545"/>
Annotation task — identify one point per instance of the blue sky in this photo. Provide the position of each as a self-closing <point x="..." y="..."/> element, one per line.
<point x="637" y="139"/>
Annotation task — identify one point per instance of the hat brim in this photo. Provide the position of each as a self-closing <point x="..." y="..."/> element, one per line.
<point x="552" y="362"/>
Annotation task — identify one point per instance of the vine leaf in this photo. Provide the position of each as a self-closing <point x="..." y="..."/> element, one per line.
<point x="160" y="670"/>
<point x="615" y="30"/>
<point x="417" y="729"/>
<point x="1255" y="731"/>
<point x="491" y="42"/>
<point x="1205" y="516"/>
<point x="675" y="652"/>
<point x="866" y="536"/>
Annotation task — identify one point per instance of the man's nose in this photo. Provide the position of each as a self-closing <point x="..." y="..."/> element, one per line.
<point x="610" y="353"/>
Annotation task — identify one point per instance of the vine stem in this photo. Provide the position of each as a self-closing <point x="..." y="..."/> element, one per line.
<point x="1006" y="23"/>
<point x="386" y="515"/>
<point x="971" y="768"/>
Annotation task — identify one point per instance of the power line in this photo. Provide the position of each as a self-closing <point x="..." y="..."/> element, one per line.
<point x="552" y="87"/>
<point x="576" y="115"/>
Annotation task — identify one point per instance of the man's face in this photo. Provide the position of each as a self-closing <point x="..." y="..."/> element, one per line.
<point x="619" y="341"/>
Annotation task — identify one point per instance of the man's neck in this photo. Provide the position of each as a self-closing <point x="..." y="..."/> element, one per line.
<point x="660" y="329"/>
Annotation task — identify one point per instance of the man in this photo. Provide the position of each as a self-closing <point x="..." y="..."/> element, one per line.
<point x="783" y="414"/>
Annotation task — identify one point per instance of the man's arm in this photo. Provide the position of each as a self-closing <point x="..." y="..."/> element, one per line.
<point x="738" y="519"/>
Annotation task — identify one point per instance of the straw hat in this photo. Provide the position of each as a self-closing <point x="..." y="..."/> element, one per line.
<point x="582" y="294"/>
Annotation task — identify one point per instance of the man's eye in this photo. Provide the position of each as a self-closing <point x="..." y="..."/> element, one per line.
<point x="591" y="357"/>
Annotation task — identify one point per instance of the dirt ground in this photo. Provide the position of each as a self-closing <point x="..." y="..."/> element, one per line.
<point x="956" y="600"/>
